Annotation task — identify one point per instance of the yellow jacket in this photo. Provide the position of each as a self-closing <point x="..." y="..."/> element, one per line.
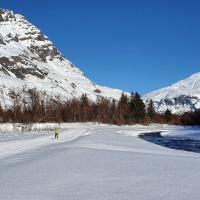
<point x="57" y="131"/>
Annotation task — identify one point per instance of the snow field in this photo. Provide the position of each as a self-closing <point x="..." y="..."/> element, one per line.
<point x="108" y="163"/>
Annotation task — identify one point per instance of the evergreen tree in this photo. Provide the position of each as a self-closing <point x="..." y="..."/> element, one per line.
<point x="137" y="108"/>
<point x="195" y="118"/>
<point x="168" y="115"/>
<point x="84" y="100"/>
<point x="132" y="106"/>
<point x="1" y="114"/>
<point x="84" y="109"/>
<point x="123" y="109"/>
<point x="151" y="110"/>
<point x="123" y="99"/>
<point x="113" y="111"/>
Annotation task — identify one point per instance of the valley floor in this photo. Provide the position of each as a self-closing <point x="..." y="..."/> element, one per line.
<point x="96" y="162"/>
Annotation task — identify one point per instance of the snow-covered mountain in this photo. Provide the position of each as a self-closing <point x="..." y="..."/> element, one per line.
<point x="180" y="97"/>
<point x="29" y="59"/>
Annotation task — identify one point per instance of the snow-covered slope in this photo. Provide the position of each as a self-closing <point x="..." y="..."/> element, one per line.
<point x="180" y="97"/>
<point x="29" y="59"/>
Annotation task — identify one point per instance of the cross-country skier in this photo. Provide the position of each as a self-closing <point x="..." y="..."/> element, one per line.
<point x="57" y="131"/>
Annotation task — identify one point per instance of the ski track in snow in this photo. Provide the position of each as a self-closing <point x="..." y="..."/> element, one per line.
<point x="19" y="146"/>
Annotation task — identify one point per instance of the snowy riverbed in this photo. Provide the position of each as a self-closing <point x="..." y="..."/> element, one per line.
<point x="95" y="162"/>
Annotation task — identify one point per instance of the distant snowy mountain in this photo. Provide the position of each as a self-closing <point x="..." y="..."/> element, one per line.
<point x="28" y="59"/>
<point x="180" y="97"/>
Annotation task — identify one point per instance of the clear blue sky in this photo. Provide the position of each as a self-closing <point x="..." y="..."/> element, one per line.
<point x="138" y="45"/>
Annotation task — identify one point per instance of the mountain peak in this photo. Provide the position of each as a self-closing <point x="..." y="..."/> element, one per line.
<point x="7" y="15"/>
<point x="183" y="96"/>
<point x="28" y="59"/>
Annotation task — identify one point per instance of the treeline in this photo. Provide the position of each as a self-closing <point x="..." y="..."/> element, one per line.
<point x="36" y="107"/>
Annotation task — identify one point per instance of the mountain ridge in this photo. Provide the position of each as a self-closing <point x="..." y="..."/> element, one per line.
<point x="29" y="59"/>
<point x="180" y="97"/>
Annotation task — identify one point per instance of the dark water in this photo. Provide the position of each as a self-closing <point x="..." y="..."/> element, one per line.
<point x="173" y="142"/>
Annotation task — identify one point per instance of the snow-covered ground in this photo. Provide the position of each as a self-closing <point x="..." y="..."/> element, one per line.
<point x="95" y="162"/>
